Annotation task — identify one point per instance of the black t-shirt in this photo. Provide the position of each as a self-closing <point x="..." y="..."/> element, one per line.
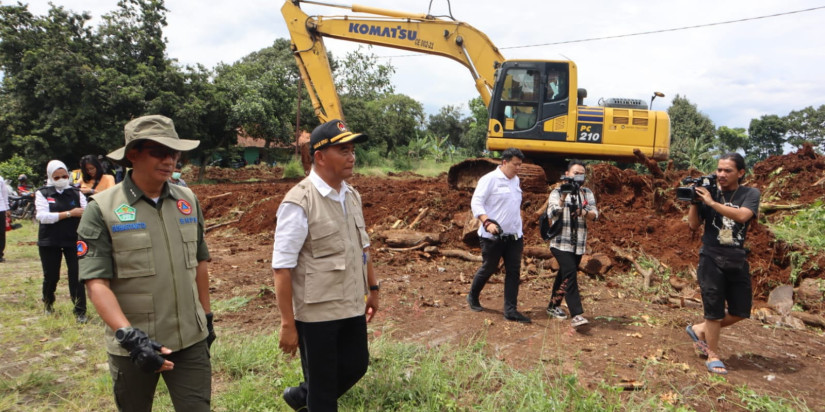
<point x="721" y="231"/>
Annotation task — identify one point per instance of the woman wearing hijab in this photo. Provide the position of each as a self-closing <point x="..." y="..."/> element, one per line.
<point x="94" y="179"/>
<point x="59" y="207"/>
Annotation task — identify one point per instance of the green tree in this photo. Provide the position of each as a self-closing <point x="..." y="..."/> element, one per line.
<point x="767" y="135"/>
<point x="203" y="114"/>
<point x="360" y="76"/>
<point x="68" y="90"/>
<point x="49" y="91"/>
<point x="689" y="129"/>
<point x="474" y="139"/>
<point x="447" y="123"/>
<point x="262" y="90"/>
<point x="731" y="140"/>
<point x="391" y="121"/>
<point x="13" y="167"/>
<point x="806" y="125"/>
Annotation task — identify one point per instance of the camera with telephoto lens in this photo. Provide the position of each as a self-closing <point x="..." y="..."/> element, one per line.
<point x="571" y="184"/>
<point x="687" y="192"/>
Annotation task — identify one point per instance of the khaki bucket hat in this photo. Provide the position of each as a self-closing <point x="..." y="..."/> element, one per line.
<point x="156" y="128"/>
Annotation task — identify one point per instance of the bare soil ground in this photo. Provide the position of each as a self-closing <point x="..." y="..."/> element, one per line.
<point x="630" y="338"/>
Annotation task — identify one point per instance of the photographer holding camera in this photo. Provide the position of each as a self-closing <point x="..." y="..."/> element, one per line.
<point x="574" y="205"/>
<point x="723" y="270"/>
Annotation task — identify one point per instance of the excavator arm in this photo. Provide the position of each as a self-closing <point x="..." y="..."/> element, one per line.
<point x="419" y="33"/>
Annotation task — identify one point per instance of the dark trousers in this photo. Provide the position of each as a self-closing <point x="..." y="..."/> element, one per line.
<point x="334" y="357"/>
<point x="492" y="250"/>
<point x="567" y="283"/>
<point x="2" y="233"/>
<point x="189" y="382"/>
<point x="50" y="259"/>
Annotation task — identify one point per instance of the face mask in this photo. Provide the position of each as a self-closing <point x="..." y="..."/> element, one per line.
<point x="176" y="175"/>
<point x="61" y="184"/>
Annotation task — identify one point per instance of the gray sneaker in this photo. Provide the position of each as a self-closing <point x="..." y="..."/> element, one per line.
<point x="578" y="320"/>
<point x="556" y="312"/>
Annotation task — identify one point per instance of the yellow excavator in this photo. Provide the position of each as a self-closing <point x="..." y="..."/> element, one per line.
<point x="534" y="105"/>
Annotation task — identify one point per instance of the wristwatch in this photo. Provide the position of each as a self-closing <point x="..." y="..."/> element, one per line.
<point x="121" y="333"/>
<point x="375" y="287"/>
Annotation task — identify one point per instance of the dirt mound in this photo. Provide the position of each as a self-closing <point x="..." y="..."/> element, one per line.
<point x="254" y="173"/>
<point x="638" y="212"/>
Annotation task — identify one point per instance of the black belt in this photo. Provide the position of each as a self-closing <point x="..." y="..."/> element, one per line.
<point x="510" y="237"/>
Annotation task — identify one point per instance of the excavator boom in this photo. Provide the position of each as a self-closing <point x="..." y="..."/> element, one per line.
<point x="407" y="31"/>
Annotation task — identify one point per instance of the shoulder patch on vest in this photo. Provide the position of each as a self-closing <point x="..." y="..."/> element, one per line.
<point x="82" y="248"/>
<point x="184" y="207"/>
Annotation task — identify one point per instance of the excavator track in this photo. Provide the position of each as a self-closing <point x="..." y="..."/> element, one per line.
<point x="465" y="175"/>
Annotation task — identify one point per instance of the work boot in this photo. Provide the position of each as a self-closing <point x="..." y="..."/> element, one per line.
<point x="475" y="305"/>
<point x="517" y="317"/>
<point x="295" y="397"/>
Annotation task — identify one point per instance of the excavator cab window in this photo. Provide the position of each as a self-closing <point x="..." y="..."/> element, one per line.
<point x="556" y="85"/>
<point x="520" y="98"/>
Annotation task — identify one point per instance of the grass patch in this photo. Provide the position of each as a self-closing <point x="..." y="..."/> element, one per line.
<point x="805" y="232"/>
<point x="233" y="304"/>
<point x="293" y="168"/>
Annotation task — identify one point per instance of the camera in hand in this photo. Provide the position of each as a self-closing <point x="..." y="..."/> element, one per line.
<point x="687" y="192"/>
<point x="571" y="184"/>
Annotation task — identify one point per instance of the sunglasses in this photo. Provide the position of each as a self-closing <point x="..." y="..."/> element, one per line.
<point x="161" y="152"/>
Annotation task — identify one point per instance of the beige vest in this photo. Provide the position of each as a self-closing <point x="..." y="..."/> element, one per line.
<point x="330" y="279"/>
<point x="154" y="255"/>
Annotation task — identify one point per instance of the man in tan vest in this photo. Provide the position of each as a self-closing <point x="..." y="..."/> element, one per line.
<point x="324" y="280"/>
<point x="143" y="260"/>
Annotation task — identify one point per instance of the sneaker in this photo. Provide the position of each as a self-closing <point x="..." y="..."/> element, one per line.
<point x="517" y="317"/>
<point x="475" y="305"/>
<point x="82" y="319"/>
<point x="578" y="320"/>
<point x="48" y="309"/>
<point x="556" y="312"/>
<point x="295" y="398"/>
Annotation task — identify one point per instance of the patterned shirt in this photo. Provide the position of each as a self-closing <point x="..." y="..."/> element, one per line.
<point x="569" y="240"/>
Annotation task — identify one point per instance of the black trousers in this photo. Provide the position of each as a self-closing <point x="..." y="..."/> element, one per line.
<point x="189" y="383"/>
<point x="334" y="357"/>
<point x="492" y="250"/>
<point x="2" y="233"/>
<point x="567" y="283"/>
<point x="50" y="257"/>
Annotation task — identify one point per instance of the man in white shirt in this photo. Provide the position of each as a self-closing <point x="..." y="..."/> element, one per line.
<point x="497" y="204"/>
<point x="324" y="281"/>
<point x="4" y="206"/>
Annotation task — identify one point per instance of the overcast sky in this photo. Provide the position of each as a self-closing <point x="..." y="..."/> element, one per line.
<point x="732" y="72"/>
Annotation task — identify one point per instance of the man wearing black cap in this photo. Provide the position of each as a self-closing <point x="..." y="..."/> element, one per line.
<point x="324" y="280"/>
<point x="143" y="259"/>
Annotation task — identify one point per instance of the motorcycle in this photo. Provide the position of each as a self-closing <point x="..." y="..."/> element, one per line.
<point x="22" y="207"/>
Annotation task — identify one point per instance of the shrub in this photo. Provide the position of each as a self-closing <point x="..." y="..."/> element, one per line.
<point x="14" y="167"/>
<point x="294" y="169"/>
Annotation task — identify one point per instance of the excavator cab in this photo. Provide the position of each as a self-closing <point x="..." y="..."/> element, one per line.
<point x="527" y="94"/>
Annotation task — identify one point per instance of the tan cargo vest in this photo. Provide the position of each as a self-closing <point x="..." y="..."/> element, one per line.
<point x="330" y="279"/>
<point x="154" y="254"/>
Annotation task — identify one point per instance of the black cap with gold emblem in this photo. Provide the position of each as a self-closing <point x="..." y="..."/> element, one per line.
<point x="332" y="133"/>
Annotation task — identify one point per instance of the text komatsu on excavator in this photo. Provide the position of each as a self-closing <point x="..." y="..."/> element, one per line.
<point x="534" y="105"/>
